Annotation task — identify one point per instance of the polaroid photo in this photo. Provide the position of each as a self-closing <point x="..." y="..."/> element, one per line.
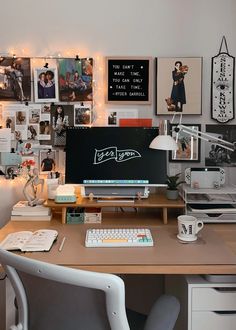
<point x="45" y="85"/>
<point x="82" y="114"/>
<point x="47" y="161"/>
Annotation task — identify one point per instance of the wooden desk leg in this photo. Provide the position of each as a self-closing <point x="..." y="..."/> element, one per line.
<point x="63" y="215"/>
<point x="165" y="219"/>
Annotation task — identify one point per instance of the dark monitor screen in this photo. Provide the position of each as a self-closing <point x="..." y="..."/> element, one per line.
<point x="114" y="156"/>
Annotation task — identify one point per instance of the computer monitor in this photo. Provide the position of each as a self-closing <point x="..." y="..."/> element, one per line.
<point x="114" y="156"/>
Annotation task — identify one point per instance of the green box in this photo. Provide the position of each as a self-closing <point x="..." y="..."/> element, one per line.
<point x="74" y="215"/>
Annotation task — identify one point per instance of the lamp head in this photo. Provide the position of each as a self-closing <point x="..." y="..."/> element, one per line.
<point x="163" y="141"/>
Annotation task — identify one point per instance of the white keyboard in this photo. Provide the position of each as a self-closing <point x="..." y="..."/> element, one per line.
<point x="125" y="237"/>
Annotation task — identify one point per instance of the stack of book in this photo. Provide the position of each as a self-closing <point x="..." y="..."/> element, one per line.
<point x="23" y="212"/>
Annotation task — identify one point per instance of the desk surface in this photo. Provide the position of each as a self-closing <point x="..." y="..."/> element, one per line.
<point x="213" y="253"/>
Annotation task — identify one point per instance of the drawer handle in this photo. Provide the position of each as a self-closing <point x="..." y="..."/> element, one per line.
<point x="225" y="312"/>
<point x="213" y="215"/>
<point x="225" y="289"/>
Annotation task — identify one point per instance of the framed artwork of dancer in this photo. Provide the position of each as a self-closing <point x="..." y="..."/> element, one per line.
<point x="179" y="85"/>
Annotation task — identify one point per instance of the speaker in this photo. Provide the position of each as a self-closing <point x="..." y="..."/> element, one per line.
<point x="116" y="192"/>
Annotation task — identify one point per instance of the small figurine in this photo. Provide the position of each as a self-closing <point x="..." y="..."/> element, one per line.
<point x="31" y="191"/>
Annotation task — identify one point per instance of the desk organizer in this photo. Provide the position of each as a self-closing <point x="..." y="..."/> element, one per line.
<point x="74" y="215"/>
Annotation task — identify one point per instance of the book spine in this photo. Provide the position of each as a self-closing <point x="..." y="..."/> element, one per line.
<point x="30" y="218"/>
<point x="28" y="214"/>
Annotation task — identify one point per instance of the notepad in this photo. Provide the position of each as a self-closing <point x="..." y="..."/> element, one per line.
<point x="27" y="241"/>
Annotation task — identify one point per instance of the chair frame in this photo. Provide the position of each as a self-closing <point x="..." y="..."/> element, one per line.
<point x="111" y="285"/>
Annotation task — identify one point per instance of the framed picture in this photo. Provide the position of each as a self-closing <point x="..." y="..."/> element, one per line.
<point x="15" y="79"/>
<point x="47" y="160"/>
<point x="75" y="79"/>
<point x="179" y="85"/>
<point x="129" y="80"/>
<point x="216" y="155"/>
<point x="189" y="147"/>
<point x="112" y="118"/>
<point x="45" y="85"/>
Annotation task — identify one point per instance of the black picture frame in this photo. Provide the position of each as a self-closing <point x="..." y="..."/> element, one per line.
<point x="216" y="155"/>
<point x="186" y="153"/>
<point x="129" y="80"/>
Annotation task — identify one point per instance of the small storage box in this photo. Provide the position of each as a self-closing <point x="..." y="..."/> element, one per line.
<point x="92" y="215"/>
<point x="74" y="215"/>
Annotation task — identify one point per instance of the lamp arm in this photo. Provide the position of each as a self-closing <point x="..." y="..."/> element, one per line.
<point x="207" y="137"/>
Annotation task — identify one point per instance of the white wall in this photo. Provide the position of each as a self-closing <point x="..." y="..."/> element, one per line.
<point x="125" y="27"/>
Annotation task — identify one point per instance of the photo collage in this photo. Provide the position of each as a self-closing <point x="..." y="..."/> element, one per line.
<point x="39" y="99"/>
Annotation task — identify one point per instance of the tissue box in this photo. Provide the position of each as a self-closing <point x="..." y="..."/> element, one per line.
<point x="65" y="194"/>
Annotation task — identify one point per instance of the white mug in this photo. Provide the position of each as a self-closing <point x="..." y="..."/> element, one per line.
<point x="188" y="227"/>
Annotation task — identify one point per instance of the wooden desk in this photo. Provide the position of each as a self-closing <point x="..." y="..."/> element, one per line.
<point x="214" y="252"/>
<point x="153" y="201"/>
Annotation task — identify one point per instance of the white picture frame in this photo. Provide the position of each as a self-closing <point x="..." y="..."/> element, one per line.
<point x="45" y="85"/>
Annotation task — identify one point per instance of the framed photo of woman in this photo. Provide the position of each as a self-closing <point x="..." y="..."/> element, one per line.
<point x="179" y="85"/>
<point x="45" y="85"/>
<point x="189" y="147"/>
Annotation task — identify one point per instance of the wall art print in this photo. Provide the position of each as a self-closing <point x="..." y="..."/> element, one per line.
<point x="216" y="155"/>
<point x="222" y="85"/>
<point x="75" y="79"/>
<point x="179" y="85"/>
<point x="189" y="147"/>
<point x="15" y="79"/>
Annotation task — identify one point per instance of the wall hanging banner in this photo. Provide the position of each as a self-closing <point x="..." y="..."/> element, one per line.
<point x="222" y="85"/>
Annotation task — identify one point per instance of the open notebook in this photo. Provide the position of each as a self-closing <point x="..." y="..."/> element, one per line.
<point x="40" y="240"/>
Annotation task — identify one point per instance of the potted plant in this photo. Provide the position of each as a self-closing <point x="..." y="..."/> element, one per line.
<point x="172" y="186"/>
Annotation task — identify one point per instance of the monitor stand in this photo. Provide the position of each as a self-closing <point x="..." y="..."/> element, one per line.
<point x="115" y="193"/>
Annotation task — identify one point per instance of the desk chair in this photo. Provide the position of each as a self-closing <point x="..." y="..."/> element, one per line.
<point x="55" y="297"/>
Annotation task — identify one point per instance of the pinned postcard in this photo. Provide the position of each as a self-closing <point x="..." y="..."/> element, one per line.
<point x="5" y="140"/>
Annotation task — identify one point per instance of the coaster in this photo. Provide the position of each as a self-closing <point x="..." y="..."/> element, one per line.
<point x="187" y="239"/>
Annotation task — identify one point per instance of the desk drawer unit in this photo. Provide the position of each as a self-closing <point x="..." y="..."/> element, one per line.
<point x="214" y="299"/>
<point x="205" y="305"/>
<point x="213" y="321"/>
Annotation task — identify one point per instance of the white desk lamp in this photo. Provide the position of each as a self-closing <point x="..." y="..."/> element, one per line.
<point x="166" y="142"/>
<point x="163" y="141"/>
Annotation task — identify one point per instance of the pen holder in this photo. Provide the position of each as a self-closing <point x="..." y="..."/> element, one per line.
<point x="52" y="185"/>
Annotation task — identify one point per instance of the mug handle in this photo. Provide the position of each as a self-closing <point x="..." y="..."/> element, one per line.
<point x="199" y="226"/>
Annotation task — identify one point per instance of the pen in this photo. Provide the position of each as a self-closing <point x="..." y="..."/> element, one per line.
<point x="62" y="244"/>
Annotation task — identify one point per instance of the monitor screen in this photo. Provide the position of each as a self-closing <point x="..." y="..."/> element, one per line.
<point x="113" y="156"/>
